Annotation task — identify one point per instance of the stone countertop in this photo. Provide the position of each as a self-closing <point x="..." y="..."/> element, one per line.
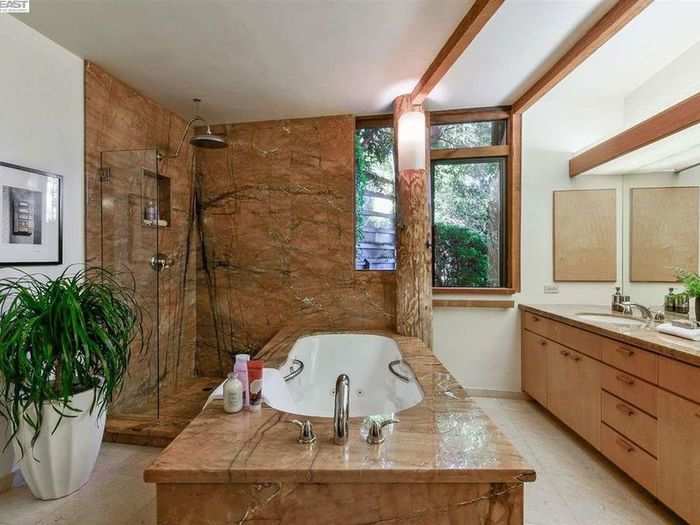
<point x="646" y="338"/>
<point x="446" y="438"/>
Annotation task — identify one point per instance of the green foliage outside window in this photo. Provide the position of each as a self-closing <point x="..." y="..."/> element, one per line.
<point x="467" y="198"/>
<point x="461" y="257"/>
<point x="374" y="150"/>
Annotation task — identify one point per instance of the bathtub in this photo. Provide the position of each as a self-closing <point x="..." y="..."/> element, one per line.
<point x="366" y="359"/>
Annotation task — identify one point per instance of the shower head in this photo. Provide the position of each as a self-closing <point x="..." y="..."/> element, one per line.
<point x="208" y="140"/>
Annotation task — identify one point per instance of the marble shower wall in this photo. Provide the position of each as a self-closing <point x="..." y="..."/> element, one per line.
<point x="276" y="212"/>
<point x="119" y="118"/>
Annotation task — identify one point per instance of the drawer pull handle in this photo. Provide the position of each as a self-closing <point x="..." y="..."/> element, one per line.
<point x="543" y="343"/>
<point x="576" y="358"/>
<point x="625" y="445"/>
<point x="625" y="351"/>
<point x="624" y="408"/>
<point x="535" y="319"/>
<point x="624" y="379"/>
<point x="564" y="352"/>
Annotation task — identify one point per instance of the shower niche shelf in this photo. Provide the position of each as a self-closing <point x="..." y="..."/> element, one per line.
<point x="155" y="200"/>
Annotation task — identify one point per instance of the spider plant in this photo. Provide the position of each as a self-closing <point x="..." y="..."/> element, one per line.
<point x="60" y="337"/>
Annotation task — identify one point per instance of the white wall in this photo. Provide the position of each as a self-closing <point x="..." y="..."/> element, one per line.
<point x="482" y="347"/>
<point x="600" y="98"/>
<point x="41" y="126"/>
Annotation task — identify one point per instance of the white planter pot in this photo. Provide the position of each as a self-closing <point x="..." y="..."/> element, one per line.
<point x="62" y="462"/>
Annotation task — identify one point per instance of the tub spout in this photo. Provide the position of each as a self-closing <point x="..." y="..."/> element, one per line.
<point x="342" y="410"/>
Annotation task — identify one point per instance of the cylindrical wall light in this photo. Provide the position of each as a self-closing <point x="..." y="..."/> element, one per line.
<point x="411" y="141"/>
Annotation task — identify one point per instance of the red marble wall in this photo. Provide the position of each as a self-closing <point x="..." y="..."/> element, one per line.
<point x="119" y="118"/>
<point x="276" y="210"/>
<point x="267" y="223"/>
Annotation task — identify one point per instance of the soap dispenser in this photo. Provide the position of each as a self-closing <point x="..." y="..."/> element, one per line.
<point x="670" y="301"/>
<point x="617" y="300"/>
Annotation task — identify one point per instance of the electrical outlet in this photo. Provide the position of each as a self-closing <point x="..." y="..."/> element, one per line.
<point x="551" y="288"/>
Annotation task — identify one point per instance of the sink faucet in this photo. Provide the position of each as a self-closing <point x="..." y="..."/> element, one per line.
<point x="342" y="410"/>
<point x="646" y="313"/>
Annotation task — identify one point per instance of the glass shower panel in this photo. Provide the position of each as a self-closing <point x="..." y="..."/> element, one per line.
<point x="129" y="247"/>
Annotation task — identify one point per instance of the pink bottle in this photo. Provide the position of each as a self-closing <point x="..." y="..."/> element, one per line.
<point x="240" y="370"/>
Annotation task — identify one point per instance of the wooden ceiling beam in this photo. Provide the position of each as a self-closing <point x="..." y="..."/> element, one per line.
<point x="475" y="19"/>
<point x="670" y="121"/>
<point x="615" y="19"/>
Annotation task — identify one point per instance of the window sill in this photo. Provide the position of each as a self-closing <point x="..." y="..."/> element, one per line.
<point x="475" y="291"/>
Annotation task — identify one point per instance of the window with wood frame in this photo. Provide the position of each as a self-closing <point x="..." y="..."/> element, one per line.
<point x="375" y="199"/>
<point x="474" y="202"/>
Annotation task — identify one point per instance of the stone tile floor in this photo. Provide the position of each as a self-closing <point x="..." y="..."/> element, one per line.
<point x="575" y="485"/>
<point x="115" y="495"/>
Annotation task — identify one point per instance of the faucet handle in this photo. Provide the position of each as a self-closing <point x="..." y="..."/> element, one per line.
<point x="307" y="436"/>
<point x="375" y="436"/>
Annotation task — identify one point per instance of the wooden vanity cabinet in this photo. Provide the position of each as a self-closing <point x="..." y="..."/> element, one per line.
<point x="679" y="455"/>
<point x="534" y="366"/>
<point x="638" y="408"/>
<point x="573" y="385"/>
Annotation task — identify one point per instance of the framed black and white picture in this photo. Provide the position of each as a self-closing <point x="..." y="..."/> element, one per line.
<point x="31" y="209"/>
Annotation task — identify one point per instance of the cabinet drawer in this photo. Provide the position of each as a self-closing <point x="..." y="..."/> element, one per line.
<point x="681" y="378"/>
<point x="631" y="422"/>
<point x="580" y="340"/>
<point x="634" y="360"/>
<point x="631" y="389"/>
<point x="639" y="465"/>
<point x="538" y="324"/>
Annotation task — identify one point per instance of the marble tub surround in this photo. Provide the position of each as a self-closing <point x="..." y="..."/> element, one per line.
<point x="342" y="503"/>
<point x="276" y="212"/>
<point x="445" y="438"/>
<point x="445" y="462"/>
<point x="646" y="338"/>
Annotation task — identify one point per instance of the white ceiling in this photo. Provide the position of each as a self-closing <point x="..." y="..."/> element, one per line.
<point x="647" y="44"/>
<point x="257" y="59"/>
<point x="522" y="40"/>
<point x="266" y="59"/>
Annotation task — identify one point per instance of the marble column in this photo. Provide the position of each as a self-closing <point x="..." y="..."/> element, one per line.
<point x="414" y="309"/>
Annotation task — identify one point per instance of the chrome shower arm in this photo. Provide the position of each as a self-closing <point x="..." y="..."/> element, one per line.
<point x="184" y="136"/>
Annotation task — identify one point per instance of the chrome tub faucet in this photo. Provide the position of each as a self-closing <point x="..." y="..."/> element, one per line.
<point x="341" y="412"/>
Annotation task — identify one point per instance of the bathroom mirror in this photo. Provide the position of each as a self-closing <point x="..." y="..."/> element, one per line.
<point x="661" y="230"/>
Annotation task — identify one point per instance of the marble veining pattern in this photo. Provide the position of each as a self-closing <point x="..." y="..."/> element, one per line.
<point x="446" y="438"/>
<point x="276" y="217"/>
<point x="575" y="484"/>
<point x="123" y="129"/>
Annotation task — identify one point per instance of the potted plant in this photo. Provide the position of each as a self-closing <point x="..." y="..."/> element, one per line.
<point x="64" y="350"/>
<point x="691" y="281"/>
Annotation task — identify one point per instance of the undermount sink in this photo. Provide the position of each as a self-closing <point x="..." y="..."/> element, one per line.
<point x="612" y="319"/>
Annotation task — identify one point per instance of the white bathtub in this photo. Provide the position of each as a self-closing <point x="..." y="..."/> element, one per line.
<point x="364" y="358"/>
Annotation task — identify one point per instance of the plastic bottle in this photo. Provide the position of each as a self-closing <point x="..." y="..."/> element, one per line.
<point x="255" y="384"/>
<point x="233" y="394"/>
<point x="240" y="370"/>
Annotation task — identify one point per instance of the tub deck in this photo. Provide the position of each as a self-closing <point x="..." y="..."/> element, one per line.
<point x="444" y="457"/>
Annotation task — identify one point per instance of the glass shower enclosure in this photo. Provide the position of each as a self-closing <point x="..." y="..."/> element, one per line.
<point x="145" y="238"/>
